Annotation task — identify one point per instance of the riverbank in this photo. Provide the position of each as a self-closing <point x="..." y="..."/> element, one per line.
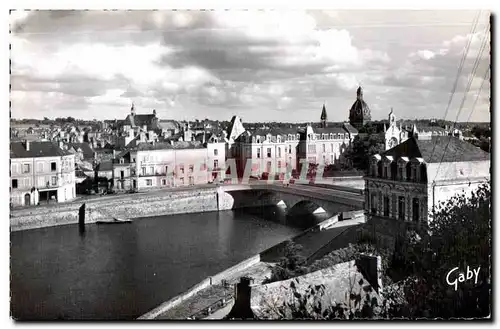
<point x="135" y="206"/>
<point x="212" y="298"/>
<point x="130" y="206"/>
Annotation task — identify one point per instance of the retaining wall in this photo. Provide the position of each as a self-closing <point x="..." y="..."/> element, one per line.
<point x="132" y="206"/>
<point x="212" y="280"/>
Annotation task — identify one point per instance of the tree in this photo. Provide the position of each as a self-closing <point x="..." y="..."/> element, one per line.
<point x="291" y="265"/>
<point x="358" y="156"/>
<point x="459" y="235"/>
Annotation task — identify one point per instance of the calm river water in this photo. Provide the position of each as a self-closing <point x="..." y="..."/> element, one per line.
<point x="124" y="271"/>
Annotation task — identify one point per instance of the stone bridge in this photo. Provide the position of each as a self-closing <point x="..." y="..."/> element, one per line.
<point x="296" y="200"/>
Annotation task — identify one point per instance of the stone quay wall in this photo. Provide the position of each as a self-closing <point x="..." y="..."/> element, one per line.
<point x="125" y="207"/>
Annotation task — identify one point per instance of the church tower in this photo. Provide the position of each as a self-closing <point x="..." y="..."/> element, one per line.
<point x="324" y="117"/>
<point x="359" y="113"/>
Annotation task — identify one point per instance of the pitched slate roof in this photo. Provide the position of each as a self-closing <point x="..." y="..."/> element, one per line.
<point x="139" y="120"/>
<point x="87" y="151"/>
<point x="438" y="149"/>
<point x="37" y="150"/>
<point x="105" y="166"/>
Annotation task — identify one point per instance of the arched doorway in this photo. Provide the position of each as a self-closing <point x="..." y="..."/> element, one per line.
<point x="27" y="199"/>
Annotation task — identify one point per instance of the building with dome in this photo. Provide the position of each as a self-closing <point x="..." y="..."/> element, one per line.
<point x="359" y="114"/>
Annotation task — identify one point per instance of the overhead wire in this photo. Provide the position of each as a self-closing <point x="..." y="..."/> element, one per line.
<point x="469" y="84"/>
<point x="459" y="71"/>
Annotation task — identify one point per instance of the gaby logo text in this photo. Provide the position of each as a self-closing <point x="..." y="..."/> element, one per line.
<point x="454" y="277"/>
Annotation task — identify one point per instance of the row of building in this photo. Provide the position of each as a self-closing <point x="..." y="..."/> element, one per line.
<point x="150" y="153"/>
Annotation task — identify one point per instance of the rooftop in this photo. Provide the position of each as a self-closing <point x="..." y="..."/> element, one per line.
<point x="36" y="150"/>
<point x="438" y="149"/>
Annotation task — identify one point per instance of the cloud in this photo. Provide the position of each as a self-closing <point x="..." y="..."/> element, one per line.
<point x="256" y="64"/>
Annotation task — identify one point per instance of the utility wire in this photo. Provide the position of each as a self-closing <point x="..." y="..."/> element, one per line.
<point x="471" y="78"/>
<point x="485" y="78"/>
<point x="459" y="72"/>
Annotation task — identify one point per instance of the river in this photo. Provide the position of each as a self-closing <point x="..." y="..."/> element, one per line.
<point x="123" y="271"/>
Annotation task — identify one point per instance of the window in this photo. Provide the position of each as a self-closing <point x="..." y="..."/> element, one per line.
<point x="414" y="174"/>
<point x="290" y="149"/>
<point x="216" y="152"/>
<point x="144" y="171"/>
<point x="385" y="172"/>
<point x="191" y="168"/>
<point x="216" y="164"/>
<point x="400" y="172"/>
<point x="26" y="168"/>
<point x="373" y="204"/>
<point x="401" y="207"/>
<point x="149" y="182"/>
<point x="53" y="166"/>
<point x="324" y="158"/>
<point x="416" y="209"/>
<point x="269" y="165"/>
<point x="423" y="173"/>
<point x="122" y="160"/>
<point x="324" y="148"/>
<point x="331" y="147"/>
<point x="181" y="170"/>
<point x="14" y="183"/>
<point x="152" y="170"/>
<point x="163" y="182"/>
<point x="166" y="169"/>
<point x="279" y="152"/>
<point x="258" y="153"/>
<point x="181" y="180"/>
<point x="40" y="166"/>
<point x="268" y="152"/>
<point x="54" y="180"/>
<point x="311" y="149"/>
<point x="332" y="159"/>
<point x="380" y="169"/>
<point x="279" y="164"/>
<point x="386" y="206"/>
<point x="394" y="170"/>
<point x="122" y="174"/>
<point x="408" y="171"/>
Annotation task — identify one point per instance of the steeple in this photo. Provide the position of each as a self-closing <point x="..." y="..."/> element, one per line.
<point x="359" y="93"/>
<point x="132" y="109"/>
<point x="324" y="117"/>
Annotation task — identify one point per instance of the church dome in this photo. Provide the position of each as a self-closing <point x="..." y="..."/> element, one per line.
<point x="359" y="112"/>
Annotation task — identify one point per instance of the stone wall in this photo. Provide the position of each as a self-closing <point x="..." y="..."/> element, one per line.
<point x="129" y="206"/>
<point x="213" y="280"/>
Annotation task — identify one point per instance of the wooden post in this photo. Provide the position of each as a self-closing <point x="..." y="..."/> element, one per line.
<point x="81" y="218"/>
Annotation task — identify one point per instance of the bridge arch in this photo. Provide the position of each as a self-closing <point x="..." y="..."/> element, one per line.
<point x="271" y="198"/>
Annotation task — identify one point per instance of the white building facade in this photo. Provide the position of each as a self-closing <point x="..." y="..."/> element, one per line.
<point x="409" y="180"/>
<point x="41" y="172"/>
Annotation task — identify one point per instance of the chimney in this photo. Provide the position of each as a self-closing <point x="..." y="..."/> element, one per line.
<point x="154" y="112"/>
<point x="371" y="268"/>
<point x="241" y="308"/>
<point x="61" y="145"/>
<point x="27" y="144"/>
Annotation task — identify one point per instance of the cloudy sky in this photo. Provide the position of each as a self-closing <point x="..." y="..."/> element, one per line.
<point x="261" y="65"/>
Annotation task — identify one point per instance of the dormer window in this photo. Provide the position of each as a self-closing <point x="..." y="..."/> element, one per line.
<point x="121" y="161"/>
<point x="331" y="136"/>
<point x="408" y="171"/>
